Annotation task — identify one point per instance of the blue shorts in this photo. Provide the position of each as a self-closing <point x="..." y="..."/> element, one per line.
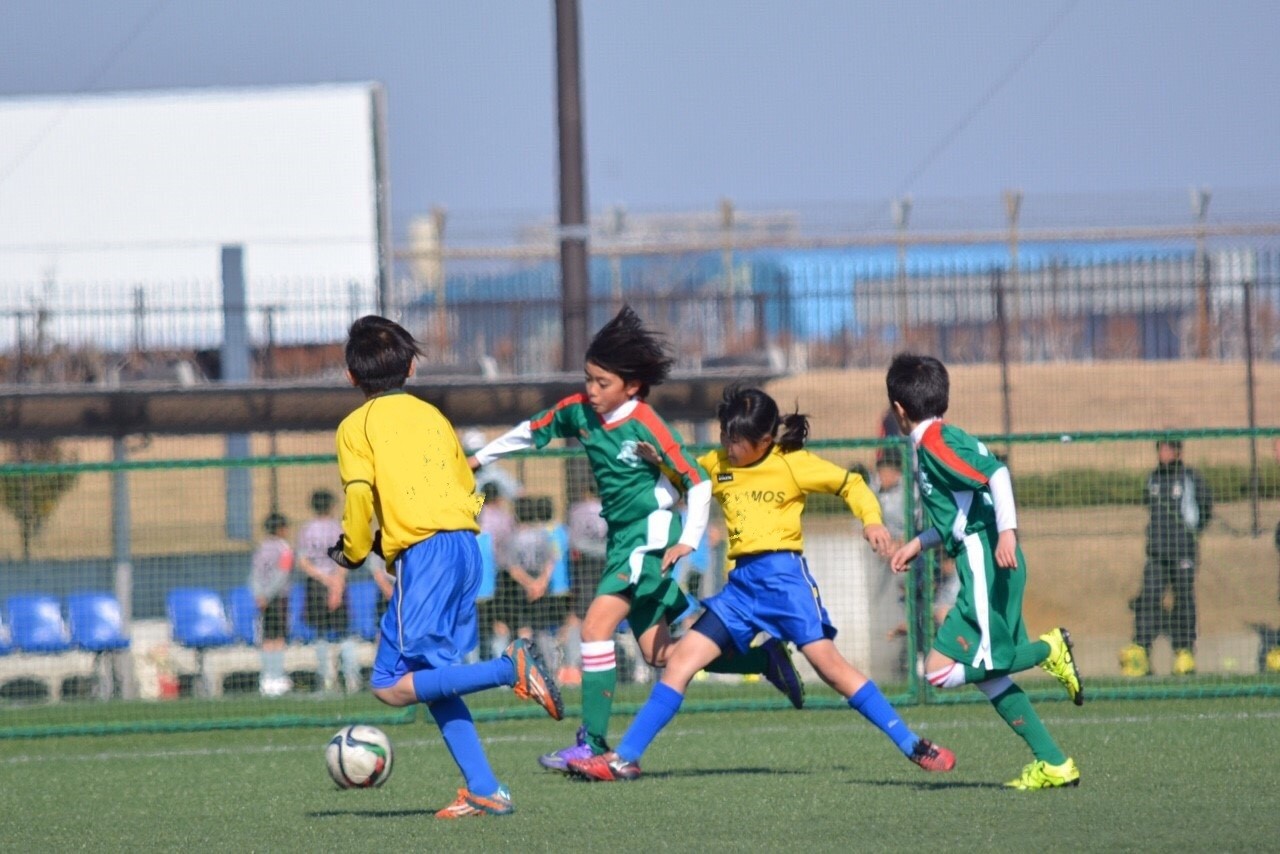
<point x="772" y="592"/>
<point x="431" y="619"/>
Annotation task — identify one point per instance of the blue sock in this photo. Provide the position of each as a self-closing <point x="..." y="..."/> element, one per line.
<point x="662" y="705"/>
<point x="459" y="679"/>
<point x="872" y="705"/>
<point x="463" y="741"/>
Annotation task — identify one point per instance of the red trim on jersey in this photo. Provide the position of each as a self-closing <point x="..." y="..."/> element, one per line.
<point x="645" y="415"/>
<point x="547" y="417"/>
<point x="933" y="442"/>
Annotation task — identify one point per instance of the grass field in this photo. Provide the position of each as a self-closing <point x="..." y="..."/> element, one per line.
<point x="1171" y="775"/>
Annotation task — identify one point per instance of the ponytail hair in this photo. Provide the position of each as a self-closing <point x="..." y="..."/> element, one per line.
<point x="751" y="414"/>
<point x="795" y="429"/>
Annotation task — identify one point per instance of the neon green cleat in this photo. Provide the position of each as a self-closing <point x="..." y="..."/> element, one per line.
<point x="1042" y="775"/>
<point x="1062" y="664"/>
<point x="1134" y="661"/>
<point x="1273" y="660"/>
<point x="1184" y="663"/>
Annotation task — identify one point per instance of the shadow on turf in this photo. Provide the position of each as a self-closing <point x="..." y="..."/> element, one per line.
<point x="368" y="813"/>
<point x="699" y="772"/>
<point x="929" y="785"/>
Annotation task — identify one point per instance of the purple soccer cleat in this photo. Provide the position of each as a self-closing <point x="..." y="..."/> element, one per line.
<point x="560" y="759"/>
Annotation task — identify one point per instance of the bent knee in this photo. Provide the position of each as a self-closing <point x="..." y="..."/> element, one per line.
<point x="657" y="658"/>
<point x="393" y="696"/>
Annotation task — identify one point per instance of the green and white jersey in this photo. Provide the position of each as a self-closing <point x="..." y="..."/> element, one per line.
<point x="630" y="488"/>
<point x="954" y="472"/>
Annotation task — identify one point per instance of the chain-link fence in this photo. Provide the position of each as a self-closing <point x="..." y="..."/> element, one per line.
<point x="793" y="308"/>
<point x="147" y="535"/>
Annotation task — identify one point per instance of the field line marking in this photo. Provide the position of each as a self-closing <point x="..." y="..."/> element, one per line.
<point x="852" y="722"/>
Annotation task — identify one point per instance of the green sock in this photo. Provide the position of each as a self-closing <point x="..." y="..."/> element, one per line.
<point x="597" y="704"/>
<point x="753" y="660"/>
<point x="1025" y="657"/>
<point x="1015" y="709"/>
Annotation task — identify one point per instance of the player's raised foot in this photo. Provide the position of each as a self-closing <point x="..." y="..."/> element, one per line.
<point x="1184" y="663"/>
<point x="781" y="671"/>
<point x="1134" y="661"/>
<point x="532" y="680"/>
<point x="932" y="757"/>
<point x="560" y="759"/>
<point x="1061" y="663"/>
<point x="1042" y="775"/>
<point x="471" y="805"/>
<point x="605" y="768"/>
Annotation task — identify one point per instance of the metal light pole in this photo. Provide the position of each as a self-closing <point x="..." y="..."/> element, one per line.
<point x="1013" y="208"/>
<point x="1200" y="210"/>
<point x="900" y="209"/>
<point x="573" y="194"/>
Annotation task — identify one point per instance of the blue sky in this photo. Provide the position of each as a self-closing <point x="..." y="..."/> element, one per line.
<point x="808" y="103"/>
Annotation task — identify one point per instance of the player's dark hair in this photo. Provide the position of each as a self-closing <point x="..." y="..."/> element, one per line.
<point x="920" y="384"/>
<point x="275" y="522"/>
<point x="321" y="501"/>
<point x="751" y="414"/>
<point x="624" y="347"/>
<point x="380" y="353"/>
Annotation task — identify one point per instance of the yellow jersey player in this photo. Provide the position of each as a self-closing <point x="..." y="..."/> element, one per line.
<point x="761" y="476"/>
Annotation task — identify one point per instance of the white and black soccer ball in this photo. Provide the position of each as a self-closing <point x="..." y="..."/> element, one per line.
<point x="359" y="757"/>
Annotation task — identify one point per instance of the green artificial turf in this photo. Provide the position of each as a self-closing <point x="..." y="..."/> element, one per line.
<point x="1184" y="775"/>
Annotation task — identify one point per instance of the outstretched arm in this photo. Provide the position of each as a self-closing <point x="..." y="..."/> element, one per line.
<point x="1006" y="518"/>
<point x="518" y="438"/>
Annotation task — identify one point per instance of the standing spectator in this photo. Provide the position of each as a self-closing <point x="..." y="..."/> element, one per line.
<point x="1275" y="448"/>
<point x="1181" y="506"/>
<point x="887" y="429"/>
<point x="269" y="577"/>
<point x="1269" y="658"/>
<point x="326" y="609"/>
<point x="498" y="520"/>
<point x="523" y="577"/>
<point x="588" y="543"/>
<point x="890" y="490"/>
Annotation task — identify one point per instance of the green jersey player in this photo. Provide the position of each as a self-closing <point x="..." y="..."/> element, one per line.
<point x="646" y="537"/>
<point x="968" y="497"/>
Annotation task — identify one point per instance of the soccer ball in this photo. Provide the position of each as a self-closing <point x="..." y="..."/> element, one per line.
<point x="359" y="757"/>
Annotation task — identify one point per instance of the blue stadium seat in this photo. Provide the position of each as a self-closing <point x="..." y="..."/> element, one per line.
<point x="198" y="618"/>
<point x="362" y="608"/>
<point x="298" y="631"/>
<point x="95" y="622"/>
<point x="242" y="608"/>
<point x="36" y="625"/>
<point x="6" y="645"/>
<point x="97" y="626"/>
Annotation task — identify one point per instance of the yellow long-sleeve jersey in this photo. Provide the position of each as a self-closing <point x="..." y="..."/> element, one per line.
<point x="400" y="458"/>
<point x="763" y="502"/>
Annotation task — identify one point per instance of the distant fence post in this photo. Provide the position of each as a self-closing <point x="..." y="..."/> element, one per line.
<point x="235" y="368"/>
<point x="1002" y="336"/>
<point x="122" y="551"/>
<point x="1251" y="408"/>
